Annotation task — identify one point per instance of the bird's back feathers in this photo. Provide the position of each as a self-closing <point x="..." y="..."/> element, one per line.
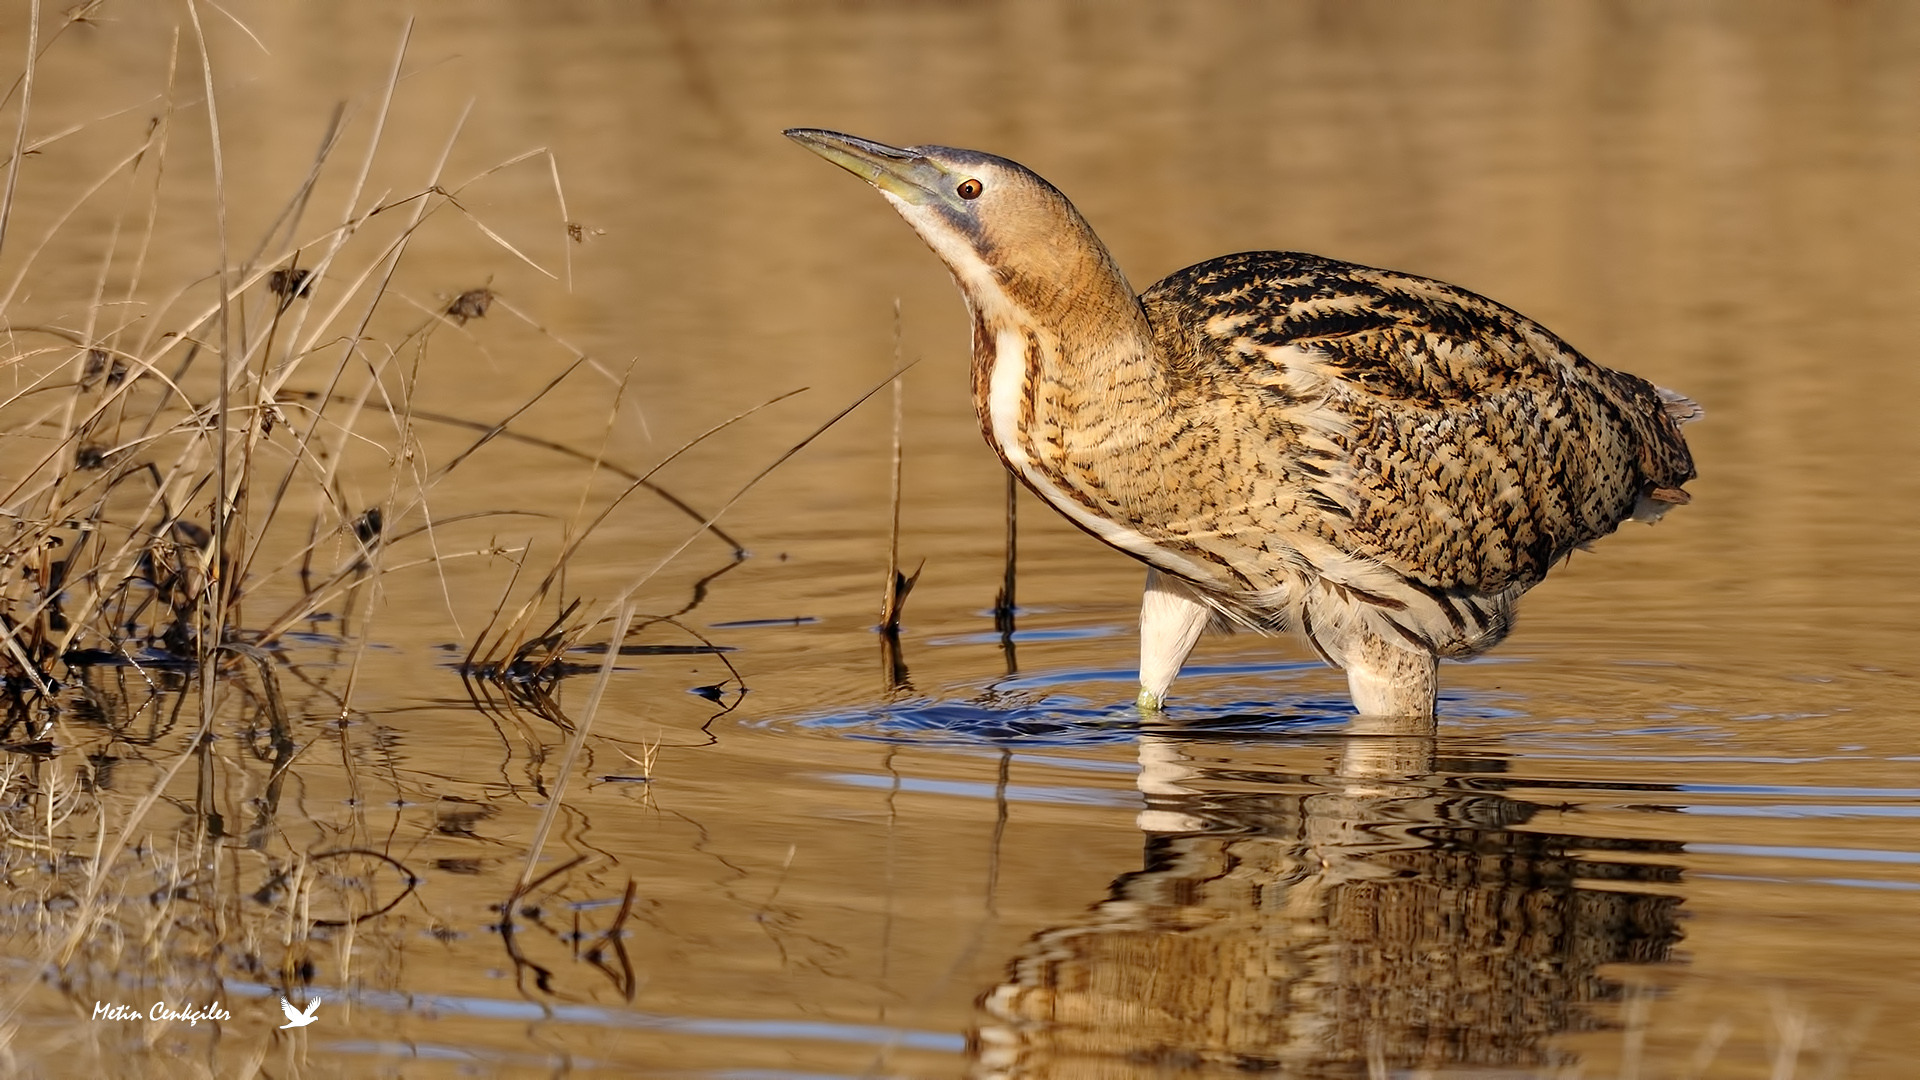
<point x="1458" y="441"/>
<point x="1421" y="454"/>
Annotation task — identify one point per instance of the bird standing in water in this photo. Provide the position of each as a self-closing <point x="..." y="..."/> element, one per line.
<point x="1379" y="462"/>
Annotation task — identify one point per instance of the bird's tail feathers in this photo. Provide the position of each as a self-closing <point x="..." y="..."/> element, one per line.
<point x="1680" y="408"/>
<point x="1654" y="505"/>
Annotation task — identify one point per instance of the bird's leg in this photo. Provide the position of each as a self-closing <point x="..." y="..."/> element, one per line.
<point x="1171" y="618"/>
<point x="1387" y="679"/>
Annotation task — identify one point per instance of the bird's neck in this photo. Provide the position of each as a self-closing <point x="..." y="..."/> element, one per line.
<point x="1069" y="385"/>
<point x="1053" y="356"/>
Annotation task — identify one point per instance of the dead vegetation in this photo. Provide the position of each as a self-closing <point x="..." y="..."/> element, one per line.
<point x="195" y="474"/>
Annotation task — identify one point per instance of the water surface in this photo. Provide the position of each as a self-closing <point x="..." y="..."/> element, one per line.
<point x="1673" y="823"/>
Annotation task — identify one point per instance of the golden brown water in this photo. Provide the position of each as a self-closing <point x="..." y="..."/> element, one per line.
<point x="1672" y="824"/>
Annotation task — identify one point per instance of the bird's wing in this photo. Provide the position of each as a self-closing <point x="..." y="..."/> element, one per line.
<point x="312" y="1007"/>
<point x="1450" y="439"/>
<point x="292" y="1013"/>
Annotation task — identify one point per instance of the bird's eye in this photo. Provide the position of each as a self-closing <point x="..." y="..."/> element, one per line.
<point x="969" y="189"/>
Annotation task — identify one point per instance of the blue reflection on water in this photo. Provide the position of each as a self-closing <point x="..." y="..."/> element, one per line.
<point x="1030" y="793"/>
<point x="533" y="1012"/>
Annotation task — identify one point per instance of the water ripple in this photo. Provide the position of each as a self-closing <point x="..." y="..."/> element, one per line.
<point x="1064" y="720"/>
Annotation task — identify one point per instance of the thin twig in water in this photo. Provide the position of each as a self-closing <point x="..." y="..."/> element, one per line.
<point x="635" y="586"/>
<point x="525" y="613"/>
<point x="898" y="584"/>
<point x="222" y="585"/>
<point x="508" y="435"/>
<point x="1003" y="604"/>
<point x="556" y="794"/>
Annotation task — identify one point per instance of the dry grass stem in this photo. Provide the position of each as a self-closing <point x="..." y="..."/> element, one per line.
<point x="894" y="601"/>
<point x="210" y="481"/>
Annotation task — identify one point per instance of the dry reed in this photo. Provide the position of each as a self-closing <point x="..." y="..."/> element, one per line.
<point x="180" y="463"/>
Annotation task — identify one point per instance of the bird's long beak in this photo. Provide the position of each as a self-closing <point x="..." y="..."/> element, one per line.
<point x="900" y="173"/>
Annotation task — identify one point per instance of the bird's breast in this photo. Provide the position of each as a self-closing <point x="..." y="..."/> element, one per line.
<point x="1069" y="434"/>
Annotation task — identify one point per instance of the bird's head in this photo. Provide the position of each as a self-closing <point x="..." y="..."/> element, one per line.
<point x="1013" y="242"/>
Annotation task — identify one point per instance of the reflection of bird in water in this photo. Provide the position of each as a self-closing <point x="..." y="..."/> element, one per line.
<point x="1380" y="462"/>
<point x="1386" y="916"/>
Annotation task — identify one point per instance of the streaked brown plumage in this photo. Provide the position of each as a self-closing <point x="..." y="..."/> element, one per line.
<point x="1380" y="462"/>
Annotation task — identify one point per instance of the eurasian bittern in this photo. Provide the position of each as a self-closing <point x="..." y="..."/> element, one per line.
<point x="1379" y="462"/>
